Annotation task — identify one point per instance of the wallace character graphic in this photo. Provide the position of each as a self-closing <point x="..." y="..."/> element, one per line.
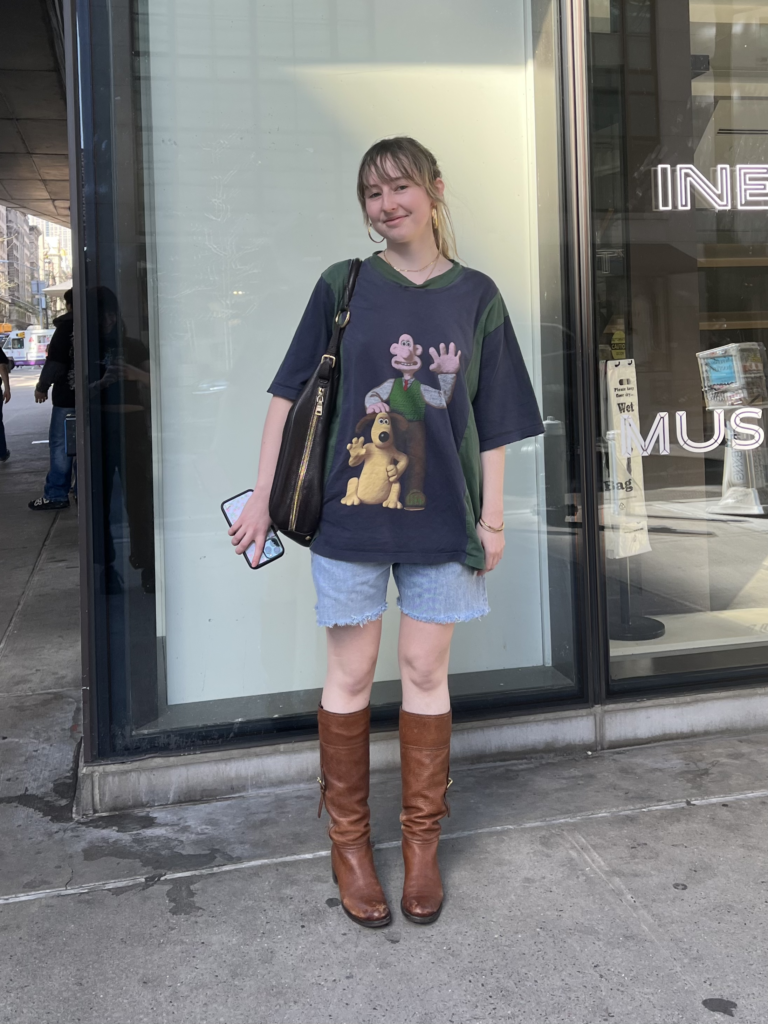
<point x="409" y="397"/>
<point x="383" y="464"/>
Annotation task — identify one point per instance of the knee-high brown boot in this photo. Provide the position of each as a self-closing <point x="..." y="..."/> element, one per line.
<point x="344" y="781"/>
<point x="425" y="746"/>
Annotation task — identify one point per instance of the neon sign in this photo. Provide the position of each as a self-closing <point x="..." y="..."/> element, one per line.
<point x="744" y="187"/>
<point x="752" y="435"/>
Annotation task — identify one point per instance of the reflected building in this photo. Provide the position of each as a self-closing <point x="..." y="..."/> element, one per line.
<point x="19" y="268"/>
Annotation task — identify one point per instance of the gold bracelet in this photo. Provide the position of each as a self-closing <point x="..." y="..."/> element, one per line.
<point x="491" y="529"/>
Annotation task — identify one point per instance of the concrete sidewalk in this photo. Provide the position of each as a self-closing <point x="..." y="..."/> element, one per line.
<point x="629" y="886"/>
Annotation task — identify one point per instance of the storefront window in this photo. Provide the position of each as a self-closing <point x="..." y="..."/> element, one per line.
<point x="679" y="154"/>
<point x="232" y="145"/>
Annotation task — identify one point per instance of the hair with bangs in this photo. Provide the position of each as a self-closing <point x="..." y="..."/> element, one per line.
<point x="407" y="158"/>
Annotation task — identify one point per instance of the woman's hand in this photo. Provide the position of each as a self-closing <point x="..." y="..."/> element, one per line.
<point x="493" y="546"/>
<point x="251" y="525"/>
<point x="253" y="522"/>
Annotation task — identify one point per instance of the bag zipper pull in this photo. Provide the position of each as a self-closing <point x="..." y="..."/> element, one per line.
<point x="319" y="401"/>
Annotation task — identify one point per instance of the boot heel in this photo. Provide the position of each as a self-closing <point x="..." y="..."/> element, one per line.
<point x="333" y="876"/>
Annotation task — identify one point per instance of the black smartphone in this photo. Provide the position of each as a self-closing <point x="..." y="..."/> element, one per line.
<point x="273" y="546"/>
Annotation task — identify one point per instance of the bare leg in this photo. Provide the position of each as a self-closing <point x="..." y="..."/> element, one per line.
<point x="352" y="654"/>
<point x="423" y="651"/>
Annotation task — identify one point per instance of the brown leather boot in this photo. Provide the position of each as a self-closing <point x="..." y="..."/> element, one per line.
<point x="425" y="747"/>
<point x="344" y="779"/>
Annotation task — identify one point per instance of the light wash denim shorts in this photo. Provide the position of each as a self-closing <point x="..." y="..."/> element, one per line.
<point x="353" y="593"/>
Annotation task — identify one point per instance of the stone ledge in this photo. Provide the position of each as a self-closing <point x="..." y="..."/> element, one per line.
<point x="109" y="787"/>
<point x="672" y="718"/>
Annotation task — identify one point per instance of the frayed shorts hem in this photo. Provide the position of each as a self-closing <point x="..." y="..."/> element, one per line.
<point x="445" y="620"/>
<point x="361" y="620"/>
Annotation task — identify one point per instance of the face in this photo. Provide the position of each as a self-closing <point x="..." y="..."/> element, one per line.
<point x="107" y="322"/>
<point x="405" y="355"/>
<point x="381" y="431"/>
<point x="399" y="210"/>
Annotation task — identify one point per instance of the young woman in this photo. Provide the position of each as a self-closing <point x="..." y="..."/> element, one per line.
<point x="433" y="388"/>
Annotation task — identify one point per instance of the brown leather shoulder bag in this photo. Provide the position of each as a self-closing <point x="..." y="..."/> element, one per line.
<point x="296" y="499"/>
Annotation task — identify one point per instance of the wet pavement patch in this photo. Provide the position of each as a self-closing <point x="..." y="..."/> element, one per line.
<point x="159" y="855"/>
<point x="181" y="896"/>
<point x="724" y="1006"/>
<point x="50" y="809"/>
<point x="58" y="810"/>
<point x="128" y="821"/>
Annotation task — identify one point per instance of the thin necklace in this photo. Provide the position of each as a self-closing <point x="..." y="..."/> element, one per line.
<point x="403" y="270"/>
<point x="430" y="273"/>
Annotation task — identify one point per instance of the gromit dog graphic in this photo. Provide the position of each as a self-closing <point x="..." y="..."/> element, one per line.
<point x="383" y="464"/>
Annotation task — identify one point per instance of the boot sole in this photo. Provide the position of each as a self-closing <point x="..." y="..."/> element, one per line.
<point x="363" y="924"/>
<point x="421" y="920"/>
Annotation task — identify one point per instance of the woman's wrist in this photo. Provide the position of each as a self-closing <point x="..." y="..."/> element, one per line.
<point x="490" y="527"/>
<point x="261" y="496"/>
<point x="493" y="516"/>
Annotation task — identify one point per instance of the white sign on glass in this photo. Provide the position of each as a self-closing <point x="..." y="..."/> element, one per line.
<point x="744" y="187"/>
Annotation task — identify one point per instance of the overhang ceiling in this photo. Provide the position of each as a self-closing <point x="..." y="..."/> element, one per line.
<point x="34" y="170"/>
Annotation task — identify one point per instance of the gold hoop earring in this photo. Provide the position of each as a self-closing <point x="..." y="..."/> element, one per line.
<point x="436" y="228"/>
<point x="376" y="241"/>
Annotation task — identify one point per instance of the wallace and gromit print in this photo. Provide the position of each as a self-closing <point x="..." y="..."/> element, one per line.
<point x="395" y="415"/>
<point x="431" y="376"/>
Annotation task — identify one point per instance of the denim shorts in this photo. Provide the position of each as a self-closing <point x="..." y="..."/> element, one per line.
<point x="353" y="593"/>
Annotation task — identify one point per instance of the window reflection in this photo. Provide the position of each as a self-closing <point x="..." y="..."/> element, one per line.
<point x="679" y="102"/>
<point x="122" y="390"/>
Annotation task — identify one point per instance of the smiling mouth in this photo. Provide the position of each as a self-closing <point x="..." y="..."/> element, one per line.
<point x="392" y="220"/>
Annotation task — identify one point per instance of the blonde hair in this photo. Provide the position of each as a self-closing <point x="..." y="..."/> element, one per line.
<point x="403" y="157"/>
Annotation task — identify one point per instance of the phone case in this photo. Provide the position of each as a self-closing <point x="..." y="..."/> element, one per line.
<point x="273" y="547"/>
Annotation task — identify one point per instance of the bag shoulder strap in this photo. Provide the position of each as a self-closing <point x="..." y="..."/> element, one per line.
<point x="341" y="319"/>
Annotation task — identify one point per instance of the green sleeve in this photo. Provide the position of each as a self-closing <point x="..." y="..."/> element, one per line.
<point x="336" y="278"/>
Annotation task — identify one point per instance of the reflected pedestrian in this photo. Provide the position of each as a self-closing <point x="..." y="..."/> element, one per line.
<point x="123" y="390"/>
<point x="59" y="371"/>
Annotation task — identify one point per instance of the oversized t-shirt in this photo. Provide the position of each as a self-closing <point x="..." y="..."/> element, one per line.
<point x="431" y="376"/>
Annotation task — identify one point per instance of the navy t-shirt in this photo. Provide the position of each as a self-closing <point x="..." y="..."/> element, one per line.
<point x="431" y="375"/>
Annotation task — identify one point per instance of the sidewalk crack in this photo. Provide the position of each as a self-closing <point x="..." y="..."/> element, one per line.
<point x="28" y="584"/>
<point x="582" y="849"/>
